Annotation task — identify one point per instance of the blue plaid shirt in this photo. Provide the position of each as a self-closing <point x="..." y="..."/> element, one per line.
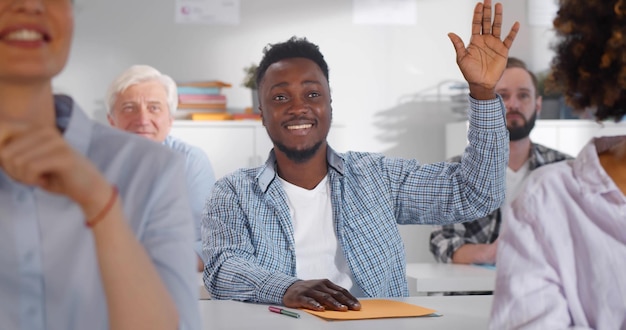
<point x="248" y="234"/>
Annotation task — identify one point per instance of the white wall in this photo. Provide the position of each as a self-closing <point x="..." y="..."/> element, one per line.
<point x="375" y="71"/>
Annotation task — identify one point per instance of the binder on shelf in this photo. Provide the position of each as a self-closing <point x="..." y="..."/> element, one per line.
<point x="211" y="116"/>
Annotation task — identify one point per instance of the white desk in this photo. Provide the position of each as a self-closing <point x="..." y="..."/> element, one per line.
<point x="431" y="277"/>
<point x="459" y="312"/>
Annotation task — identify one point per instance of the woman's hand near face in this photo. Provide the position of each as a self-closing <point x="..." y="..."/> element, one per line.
<point x="39" y="156"/>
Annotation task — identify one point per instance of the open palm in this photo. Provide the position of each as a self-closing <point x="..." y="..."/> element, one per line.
<point x="484" y="59"/>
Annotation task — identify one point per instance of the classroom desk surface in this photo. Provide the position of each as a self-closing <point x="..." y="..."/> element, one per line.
<point x="433" y="277"/>
<point x="458" y="312"/>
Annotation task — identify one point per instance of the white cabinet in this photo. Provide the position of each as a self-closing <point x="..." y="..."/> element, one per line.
<point x="568" y="136"/>
<point x="235" y="144"/>
<point x="229" y="145"/>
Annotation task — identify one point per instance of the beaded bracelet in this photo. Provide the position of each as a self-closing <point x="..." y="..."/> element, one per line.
<point x="105" y="210"/>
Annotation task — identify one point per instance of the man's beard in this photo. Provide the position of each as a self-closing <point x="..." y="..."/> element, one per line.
<point x="520" y="132"/>
<point x="299" y="156"/>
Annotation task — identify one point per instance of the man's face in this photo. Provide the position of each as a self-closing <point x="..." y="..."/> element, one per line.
<point x="35" y="38"/>
<point x="521" y="102"/>
<point x="142" y="109"/>
<point x="295" y="107"/>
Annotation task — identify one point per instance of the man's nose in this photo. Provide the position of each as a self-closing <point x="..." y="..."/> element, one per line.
<point x="299" y="105"/>
<point x="512" y="104"/>
<point x="143" y="115"/>
<point x="28" y="6"/>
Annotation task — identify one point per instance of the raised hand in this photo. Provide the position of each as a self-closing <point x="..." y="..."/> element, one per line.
<point x="484" y="59"/>
<point x="319" y="295"/>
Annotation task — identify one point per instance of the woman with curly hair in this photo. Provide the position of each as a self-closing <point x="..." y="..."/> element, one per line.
<point x="562" y="251"/>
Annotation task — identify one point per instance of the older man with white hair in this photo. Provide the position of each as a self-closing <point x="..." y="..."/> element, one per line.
<point x="142" y="100"/>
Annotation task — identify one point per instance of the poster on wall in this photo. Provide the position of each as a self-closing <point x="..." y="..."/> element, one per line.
<point x="210" y="12"/>
<point x="384" y="12"/>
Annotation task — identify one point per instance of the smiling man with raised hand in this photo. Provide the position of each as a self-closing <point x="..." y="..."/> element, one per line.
<point x="317" y="229"/>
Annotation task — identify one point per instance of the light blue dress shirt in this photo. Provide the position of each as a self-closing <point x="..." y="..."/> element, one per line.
<point x="200" y="180"/>
<point x="248" y="232"/>
<point x="49" y="275"/>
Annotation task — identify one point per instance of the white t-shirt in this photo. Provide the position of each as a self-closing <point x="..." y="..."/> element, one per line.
<point x="318" y="254"/>
<point x="514" y="181"/>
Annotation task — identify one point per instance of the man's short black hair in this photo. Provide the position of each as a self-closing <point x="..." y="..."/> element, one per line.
<point x="292" y="48"/>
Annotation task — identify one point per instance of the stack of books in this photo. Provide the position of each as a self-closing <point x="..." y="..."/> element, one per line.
<point x="202" y="100"/>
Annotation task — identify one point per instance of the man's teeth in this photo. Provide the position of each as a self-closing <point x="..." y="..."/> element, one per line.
<point x="303" y="126"/>
<point x="24" y="35"/>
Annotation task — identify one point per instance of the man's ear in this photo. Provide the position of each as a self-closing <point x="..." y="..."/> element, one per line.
<point x="110" y="119"/>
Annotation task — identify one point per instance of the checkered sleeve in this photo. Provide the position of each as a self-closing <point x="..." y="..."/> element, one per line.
<point x="446" y="239"/>
<point x="235" y="268"/>
<point x="444" y="192"/>
<point x="483" y="164"/>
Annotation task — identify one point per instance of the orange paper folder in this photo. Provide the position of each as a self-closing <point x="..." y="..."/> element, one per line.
<point x="211" y="116"/>
<point x="376" y="309"/>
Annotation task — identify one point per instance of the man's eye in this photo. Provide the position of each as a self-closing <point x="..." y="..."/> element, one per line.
<point x="279" y="98"/>
<point x="314" y="94"/>
<point x="154" y="108"/>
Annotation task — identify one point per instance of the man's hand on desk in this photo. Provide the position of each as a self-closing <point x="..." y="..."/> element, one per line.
<point x="319" y="295"/>
<point x="476" y="254"/>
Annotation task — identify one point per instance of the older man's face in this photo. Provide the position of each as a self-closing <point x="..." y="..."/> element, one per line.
<point x="142" y="109"/>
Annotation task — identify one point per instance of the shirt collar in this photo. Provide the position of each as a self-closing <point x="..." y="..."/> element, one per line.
<point x="63" y="111"/>
<point x="73" y="122"/>
<point x="588" y="168"/>
<point x="267" y="174"/>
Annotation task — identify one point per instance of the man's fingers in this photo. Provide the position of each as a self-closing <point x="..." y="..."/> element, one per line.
<point x="477" y="19"/>
<point x="328" y="301"/>
<point x="486" y="17"/>
<point x="497" y="21"/>
<point x="345" y="297"/>
<point x="309" y="303"/>
<point x="508" y="41"/>
<point x="459" y="46"/>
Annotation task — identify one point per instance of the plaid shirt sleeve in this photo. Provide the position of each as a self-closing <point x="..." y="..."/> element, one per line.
<point x="444" y="192"/>
<point x="446" y="239"/>
<point x="238" y="268"/>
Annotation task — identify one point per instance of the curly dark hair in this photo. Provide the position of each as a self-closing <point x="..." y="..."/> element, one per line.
<point x="294" y="47"/>
<point x="590" y="62"/>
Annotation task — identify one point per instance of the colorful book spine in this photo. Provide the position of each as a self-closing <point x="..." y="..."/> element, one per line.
<point x="199" y="90"/>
